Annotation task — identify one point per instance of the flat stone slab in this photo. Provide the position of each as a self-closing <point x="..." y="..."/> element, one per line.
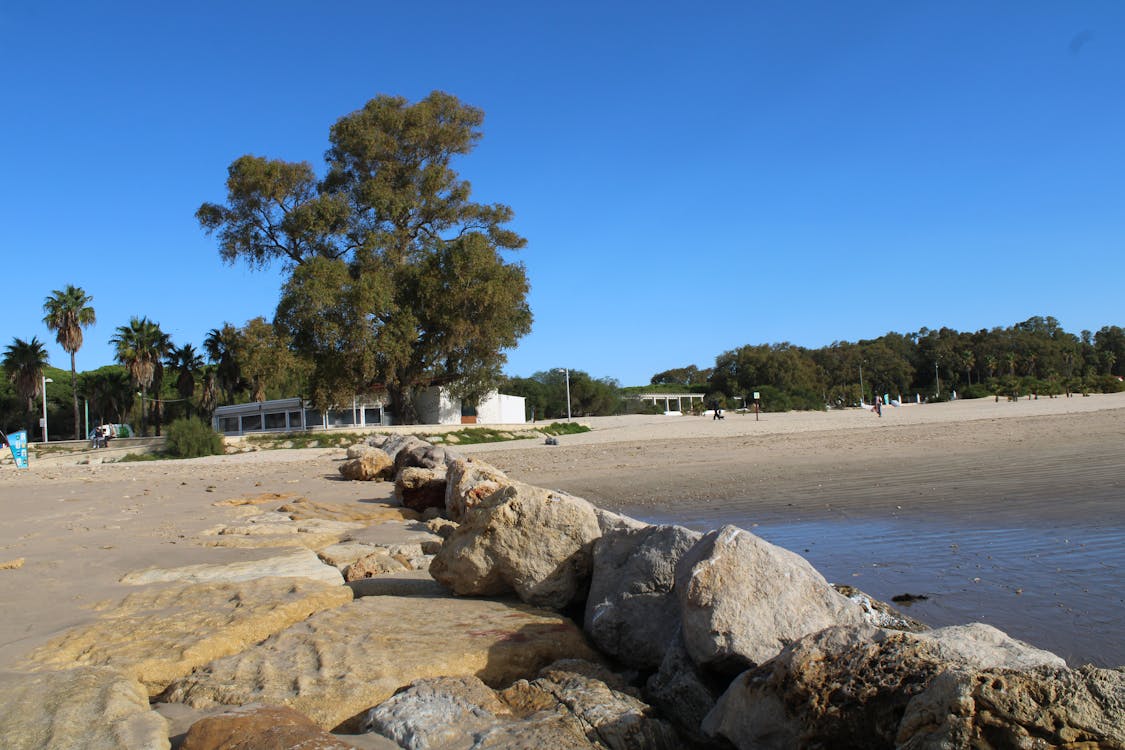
<point x="341" y="662"/>
<point x="405" y="583"/>
<point x="156" y="636"/>
<point x="302" y="563"/>
<point x="93" y="708"/>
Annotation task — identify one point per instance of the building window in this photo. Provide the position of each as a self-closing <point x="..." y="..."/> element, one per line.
<point x="340" y="417"/>
<point x="295" y="420"/>
<point x="228" y="424"/>
<point x="372" y="416"/>
<point x="275" y="420"/>
<point x="251" y="422"/>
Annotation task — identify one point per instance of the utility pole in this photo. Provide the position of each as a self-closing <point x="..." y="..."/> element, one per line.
<point x="937" y="379"/>
<point x="861" y="385"/>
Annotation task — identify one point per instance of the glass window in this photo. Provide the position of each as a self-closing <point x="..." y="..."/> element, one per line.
<point x="228" y="424"/>
<point x="295" y="420"/>
<point x="252" y="422"/>
<point x="372" y="416"/>
<point x="275" y="420"/>
<point x="340" y="417"/>
<point x="313" y="418"/>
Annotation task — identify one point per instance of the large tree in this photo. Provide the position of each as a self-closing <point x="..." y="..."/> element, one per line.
<point x="141" y="348"/>
<point x="68" y="311"/>
<point x="397" y="276"/>
<point x="187" y="364"/>
<point x="24" y="362"/>
<point x="221" y="346"/>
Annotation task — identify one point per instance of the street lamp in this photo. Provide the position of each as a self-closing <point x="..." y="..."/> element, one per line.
<point x="567" y="371"/>
<point x="45" y="381"/>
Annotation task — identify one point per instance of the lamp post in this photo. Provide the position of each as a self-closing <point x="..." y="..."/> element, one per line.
<point x="567" y="371"/>
<point x="45" y="381"/>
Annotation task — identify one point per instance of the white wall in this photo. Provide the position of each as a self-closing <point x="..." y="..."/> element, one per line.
<point x="436" y="407"/>
<point x="496" y="408"/>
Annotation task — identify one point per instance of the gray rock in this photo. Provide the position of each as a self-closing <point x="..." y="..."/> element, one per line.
<point x="437" y="712"/>
<point x="850" y="687"/>
<point x="396" y="444"/>
<point x="631" y="612"/>
<point x="525" y="539"/>
<point x="683" y="692"/>
<point x="420" y="488"/>
<point x="1042" y="707"/>
<point x="92" y="708"/>
<point x="423" y="456"/>
<point x="743" y="599"/>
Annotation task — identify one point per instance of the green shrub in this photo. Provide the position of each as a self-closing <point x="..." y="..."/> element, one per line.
<point x="564" y="428"/>
<point x="191" y="438"/>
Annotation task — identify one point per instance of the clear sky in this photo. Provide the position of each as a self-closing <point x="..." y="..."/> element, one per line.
<point x="691" y="177"/>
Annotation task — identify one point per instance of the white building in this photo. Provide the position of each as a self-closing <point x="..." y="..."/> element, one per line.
<point x="434" y="406"/>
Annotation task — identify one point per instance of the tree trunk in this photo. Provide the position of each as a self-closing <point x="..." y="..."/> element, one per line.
<point x="74" y="391"/>
<point x="405" y="410"/>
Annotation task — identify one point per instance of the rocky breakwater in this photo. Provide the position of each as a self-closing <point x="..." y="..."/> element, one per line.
<point x="686" y="640"/>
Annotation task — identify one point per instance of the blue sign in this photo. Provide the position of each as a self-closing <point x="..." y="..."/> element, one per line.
<point x="17" y="442"/>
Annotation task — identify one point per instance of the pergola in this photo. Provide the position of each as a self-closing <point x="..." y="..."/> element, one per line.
<point x="668" y="398"/>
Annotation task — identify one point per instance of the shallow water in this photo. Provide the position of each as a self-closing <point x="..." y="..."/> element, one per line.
<point x="1060" y="587"/>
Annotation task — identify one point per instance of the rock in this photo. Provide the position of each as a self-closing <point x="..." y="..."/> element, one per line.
<point x="631" y="612"/>
<point x="468" y="482"/>
<point x="157" y="635"/>
<point x="437" y="712"/>
<point x="374" y="564"/>
<point x="683" y="692"/>
<point x="535" y="542"/>
<point x="359" y="450"/>
<point x="880" y="614"/>
<point x="342" y="661"/>
<point x="259" y="499"/>
<point x="252" y="727"/>
<point x="423" y="456"/>
<point x="372" y="465"/>
<point x="341" y="555"/>
<point x="303" y="510"/>
<point x="850" y="687"/>
<point x="442" y="528"/>
<point x="1042" y="707"/>
<point x="14" y="564"/>
<point x="419" y="489"/>
<point x="617" y="720"/>
<point x="396" y="444"/>
<point x="407" y="583"/>
<point x="609" y="521"/>
<point x="743" y="599"/>
<point x="302" y="563"/>
<point x="92" y="708"/>
<point x="557" y="730"/>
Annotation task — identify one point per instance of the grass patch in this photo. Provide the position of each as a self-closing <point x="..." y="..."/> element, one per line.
<point x="318" y="439"/>
<point x="564" y="428"/>
<point x="474" y="435"/>
<point x="133" y="457"/>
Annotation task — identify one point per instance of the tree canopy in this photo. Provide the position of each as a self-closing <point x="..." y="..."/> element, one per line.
<point x="68" y="311"/>
<point x="396" y="276"/>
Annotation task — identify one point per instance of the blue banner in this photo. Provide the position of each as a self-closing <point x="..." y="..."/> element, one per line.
<point x="17" y="441"/>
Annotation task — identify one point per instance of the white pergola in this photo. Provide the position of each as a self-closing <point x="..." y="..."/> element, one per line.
<point x="668" y="398"/>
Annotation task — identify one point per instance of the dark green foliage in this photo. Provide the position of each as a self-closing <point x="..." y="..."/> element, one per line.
<point x="396" y="274"/>
<point x="191" y="438"/>
<point x="545" y="394"/>
<point x="564" y="428"/>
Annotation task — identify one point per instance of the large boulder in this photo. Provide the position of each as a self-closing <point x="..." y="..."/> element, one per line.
<point x="372" y="465"/>
<point x="743" y="599"/>
<point x="1042" y="707"/>
<point x="631" y="612"/>
<point x="419" y="488"/>
<point x="251" y="727"/>
<point x="424" y="456"/>
<point x="849" y="687"/>
<point x="684" y="692"/>
<point x="535" y="542"/>
<point x="396" y="444"/>
<point x="567" y="705"/>
<point x="468" y="482"/>
<point x="157" y="635"/>
<point x="340" y="662"/>
<point x="93" y="708"/>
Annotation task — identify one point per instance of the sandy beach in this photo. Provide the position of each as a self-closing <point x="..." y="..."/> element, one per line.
<point x="1010" y="513"/>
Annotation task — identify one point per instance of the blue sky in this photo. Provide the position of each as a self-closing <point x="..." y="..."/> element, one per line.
<point x="690" y="177"/>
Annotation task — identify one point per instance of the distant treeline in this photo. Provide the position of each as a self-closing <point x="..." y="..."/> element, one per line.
<point x="1036" y="357"/>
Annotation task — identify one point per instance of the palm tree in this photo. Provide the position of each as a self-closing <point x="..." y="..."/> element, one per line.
<point x="141" y="347"/>
<point x="187" y="363"/>
<point x="109" y="392"/>
<point x="209" y="399"/>
<point x="23" y="364"/>
<point x="68" y="312"/>
<point x="222" y="346"/>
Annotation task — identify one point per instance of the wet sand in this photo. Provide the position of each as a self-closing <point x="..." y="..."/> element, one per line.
<point x="1026" y="497"/>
